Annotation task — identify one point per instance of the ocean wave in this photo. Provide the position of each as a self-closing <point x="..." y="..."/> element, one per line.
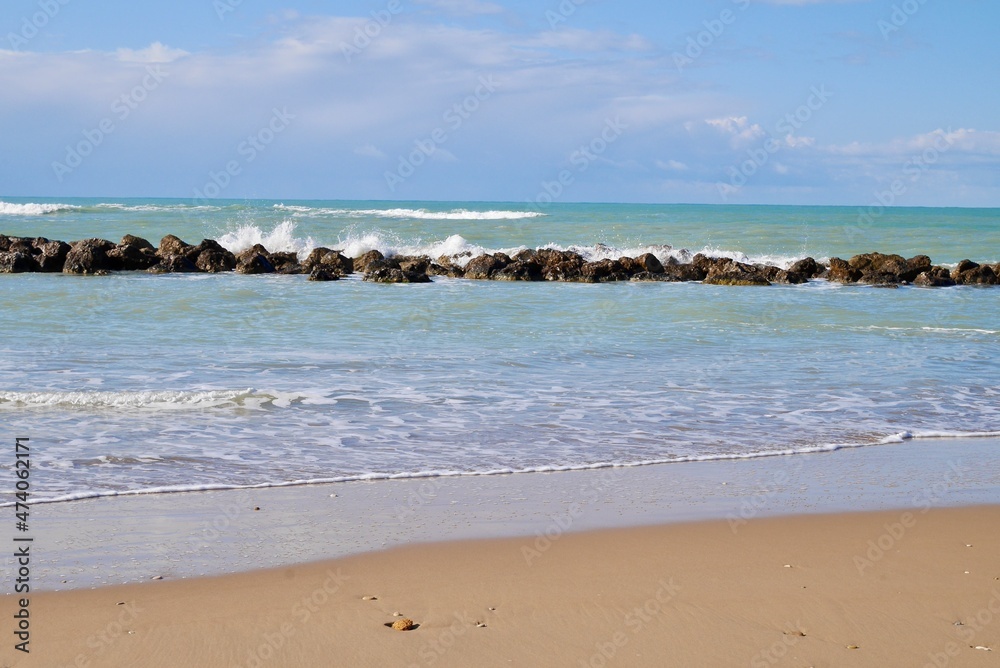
<point x="281" y="239"/>
<point x="143" y="399"/>
<point x="355" y="241"/>
<point x="891" y="439"/>
<point x="155" y="207"/>
<point x="33" y="209"/>
<point x="418" y="214"/>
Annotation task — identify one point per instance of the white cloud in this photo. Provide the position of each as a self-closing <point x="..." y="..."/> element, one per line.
<point x="369" y="151"/>
<point x="154" y="53"/>
<point x="463" y="7"/>
<point x="672" y="165"/>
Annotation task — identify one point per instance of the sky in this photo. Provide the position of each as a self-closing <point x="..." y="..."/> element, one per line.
<point x="721" y="101"/>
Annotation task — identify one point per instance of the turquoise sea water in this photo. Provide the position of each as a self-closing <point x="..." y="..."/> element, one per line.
<point x="139" y="382"/>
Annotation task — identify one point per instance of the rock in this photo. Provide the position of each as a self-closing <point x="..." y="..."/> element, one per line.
<point x="5" y="242"/>
<point x="133" y="254"/>
<point x="174" y="264"/>
<point x="330" y="260"/>
<point x="519" y="270"/>
<point x="917" y="265"/>
<point x="604" y="271"/>
<point x="404" y="624"/>
<point x="970" y="273"/>
<point x="171" y="245"/>
<point x="842" y="272"/>
<point x="484" y="266"/>
<point x="789" y="277"/>
<point x="89" y="257"/>
<point x="215" y="262"/>
<point x="880" y="269"/>
<point x="390" y="274"/>
<point x="938" y="277"/>
<point x="16" y="263"/>
<point x="807" y="267"/>
<point x="683" y="273"/>
<point x="285" y="263"/>
<point x="650" y="263"/>
<point x="361" y="263"/>
<point x="731" y="272"/>
<point x="419" y="264"/>
<point x="447" y="266"/>
<point x="254" y="261"/>
<point x="324" y="274"/>
<point x="52" y="255"/>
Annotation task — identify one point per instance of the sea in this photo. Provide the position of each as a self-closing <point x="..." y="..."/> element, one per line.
<point x="139" y="384"/>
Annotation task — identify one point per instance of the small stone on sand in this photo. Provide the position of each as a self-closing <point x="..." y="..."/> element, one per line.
<point x="853" y="647"/>
<point x="403" y="624"/>
<point x="156" y="577"/>
<point x="397" y="614"/>
<point x="369" y="598"/>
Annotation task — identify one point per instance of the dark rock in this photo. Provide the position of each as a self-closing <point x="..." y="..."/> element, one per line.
<point x="519" y="270"/>
<point x="331" y="260"/>
<point x="731" y="272"/>
<point x="650" y="263"/>
<point x="89" y="257"/>
<point x="485" y="266"/>
<point x="51" y="257"/>
<point x="285" y="263"/>
<point x="321" y="273"/>
<point x="970" y="273"/>
<point x="361" y="263"/>
<point x="842" y="272"/>
<point x="527" y="255"/>
<point x="916" y="266"/>
<point x="807" y="267"/>
<point x="683" y="273"/>
<point x="789" y="277"/>
<point x="174" y="264"/>
<point x="253" y="261"/>
<point x="880" y="269"/>
<point x="133" y="254"/>
<point x="937" y="277"/>
<point x="388" y="274"/>
<point x="16" y="263"/>
<point x="604" y="271"/>
<point x="171" y="245"/>
<point x="418" y="263"/>
<point x="215" y="262"/>
<point x="5" y="242"/>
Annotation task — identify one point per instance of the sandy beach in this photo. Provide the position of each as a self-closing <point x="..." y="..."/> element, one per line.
<point x="899" y="588"/>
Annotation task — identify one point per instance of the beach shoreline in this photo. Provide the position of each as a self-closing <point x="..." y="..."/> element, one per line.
<point x="891" y="588"/>
<point x="119" y="540"/>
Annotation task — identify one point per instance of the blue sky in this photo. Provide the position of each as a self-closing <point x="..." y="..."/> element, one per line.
<point x="728" y="101"/>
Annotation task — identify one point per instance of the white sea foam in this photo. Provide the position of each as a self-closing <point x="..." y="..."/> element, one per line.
<point x="897" y="438"/>
<point x="402" y="213"/>
<point x="281" y="239"/>
<point x="32" y="209"/>
<point x="156" y="207"/>
<point x="143" y="399"/>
